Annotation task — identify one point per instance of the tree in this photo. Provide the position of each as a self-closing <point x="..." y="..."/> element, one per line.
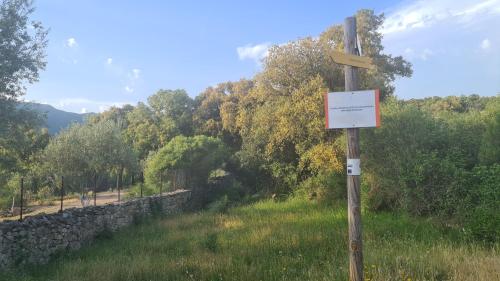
<point x="174" y="110"/>
<point x="186" y="159"/>
<point x="88" y="151"/>
<point x="22" y="56"/>
<point x="143" y="131"/>
<point x="206" y="116"/>
<point x="21" y="140"/>
<point x="115" y="114"/>
<point x="22" y="51"/>
<point x="280" y="120"/>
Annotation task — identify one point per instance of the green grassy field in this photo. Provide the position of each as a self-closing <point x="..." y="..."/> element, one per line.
<point x="292" y="240"/>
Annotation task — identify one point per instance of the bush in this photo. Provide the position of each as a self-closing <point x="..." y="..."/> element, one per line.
<point x="45" y="195"/>
<point x="188" y="160"/>
<point x="147" y="190"/>
<point x="480" y="211"/>
<point x="326" y="188"/>
<point x="417" y="162"/>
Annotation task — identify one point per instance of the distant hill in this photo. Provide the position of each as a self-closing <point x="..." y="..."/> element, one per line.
<point x="56" y="119"/>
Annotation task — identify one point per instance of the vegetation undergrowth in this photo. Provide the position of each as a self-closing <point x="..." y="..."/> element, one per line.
<point x="292" y="240"/>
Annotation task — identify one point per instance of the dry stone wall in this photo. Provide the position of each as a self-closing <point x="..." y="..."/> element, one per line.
<point x="37" y="238"/>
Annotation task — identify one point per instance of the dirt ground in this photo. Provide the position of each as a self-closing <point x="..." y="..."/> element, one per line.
<point x="102" y="198"/>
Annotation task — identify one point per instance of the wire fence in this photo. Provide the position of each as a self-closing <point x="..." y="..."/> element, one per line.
<point x="73" y="192"/>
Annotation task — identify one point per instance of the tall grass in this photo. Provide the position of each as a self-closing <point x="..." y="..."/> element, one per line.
<point x="292" y="240"/>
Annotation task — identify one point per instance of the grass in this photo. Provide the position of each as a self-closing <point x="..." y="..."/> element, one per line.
<point x="292" y="240"/>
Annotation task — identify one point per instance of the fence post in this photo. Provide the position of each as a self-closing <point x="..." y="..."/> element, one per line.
<point x="161" y="182"/>
<point x="22" y="199"/>
<point x="62" y="193"/>
<point x="95" y="189"/>
<point x="118" y="186"/>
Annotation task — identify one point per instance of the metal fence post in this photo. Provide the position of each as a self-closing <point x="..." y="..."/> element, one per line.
<point x="22" y="199"/>
<point x="161" y="182"/>
<point x="95" y="189"/>
<point x="62" y="193"/>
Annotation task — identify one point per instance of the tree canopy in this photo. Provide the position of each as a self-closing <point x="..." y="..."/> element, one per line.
<point x="22" y="51"/>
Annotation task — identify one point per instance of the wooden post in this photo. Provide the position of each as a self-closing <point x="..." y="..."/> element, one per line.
<point x="22" y="199"/>
<point x="118" y="186"/>
<point x="95" y="189"/>
<point x="62" y="193"/>
<point x="353" y="181"/>
<point x="161" y="181"/>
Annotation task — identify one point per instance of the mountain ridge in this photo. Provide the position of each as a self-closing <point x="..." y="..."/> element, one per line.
<point x="56" y="119"/>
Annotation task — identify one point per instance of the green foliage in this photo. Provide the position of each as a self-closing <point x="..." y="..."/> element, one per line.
<point x="206" y="117"/>
<point x="173" y="108"/>
<point x="194" y="157"/>
<point x="428" y="162"/>
<point x="480" y="207"/>
<point x="143" y="131"/>
<point x="147" y="190"/>
<point x="89" y="150"/>
<point x="490" y="145"/>
<point x="326" y="188"/>
<point x="281" y="119"/>
<point x="22" y="61"/>
<point x="414" y="161"/>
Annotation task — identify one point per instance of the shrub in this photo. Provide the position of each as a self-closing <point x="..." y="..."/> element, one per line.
<point x="324" y="187"/>
<point x="196" y="156"/>
<point x="480" y="209"/>
<point x="413" y="162"/>
<point x="147" y="190"/>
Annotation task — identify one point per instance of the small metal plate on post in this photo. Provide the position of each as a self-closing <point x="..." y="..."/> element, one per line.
<point x="353" y="167"/>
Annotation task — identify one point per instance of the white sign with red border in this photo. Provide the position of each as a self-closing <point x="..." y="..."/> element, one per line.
<point x="355" y="109"/>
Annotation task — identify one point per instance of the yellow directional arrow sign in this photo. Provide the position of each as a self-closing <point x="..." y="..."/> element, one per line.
<point x="342" y="58"/>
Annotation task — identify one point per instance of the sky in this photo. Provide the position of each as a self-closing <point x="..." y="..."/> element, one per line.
<point x="111" y="53"/>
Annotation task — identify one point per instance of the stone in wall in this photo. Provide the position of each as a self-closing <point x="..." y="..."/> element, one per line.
<point x="37" y="238"/>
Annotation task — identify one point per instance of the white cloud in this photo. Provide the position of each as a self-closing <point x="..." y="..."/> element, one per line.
<point x="84" y="105"/>
<point x="134" y="78"/>
<point x="421" y="14"/>
<point x="255" y="52"/>
<point x="131" y="79"/>
<point x="71" y="42"/>
<point x="129" y="89"/>
<point x="485" y="44"/>
<point x="135" y="73"/>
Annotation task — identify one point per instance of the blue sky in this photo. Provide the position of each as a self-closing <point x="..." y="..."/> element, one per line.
<point x="104" y="53"/>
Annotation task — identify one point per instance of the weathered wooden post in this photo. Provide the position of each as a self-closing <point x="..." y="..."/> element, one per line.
<point x="62" y="194"/>
<point x="161" y="181"/>
<point x="142" y="181"/>
<point x="22" y="199"/>
<point x="353" y="181"/>
<point x="95" y="189"/>
<point x="118" y="186"/>
<point x="351" y="110"/>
